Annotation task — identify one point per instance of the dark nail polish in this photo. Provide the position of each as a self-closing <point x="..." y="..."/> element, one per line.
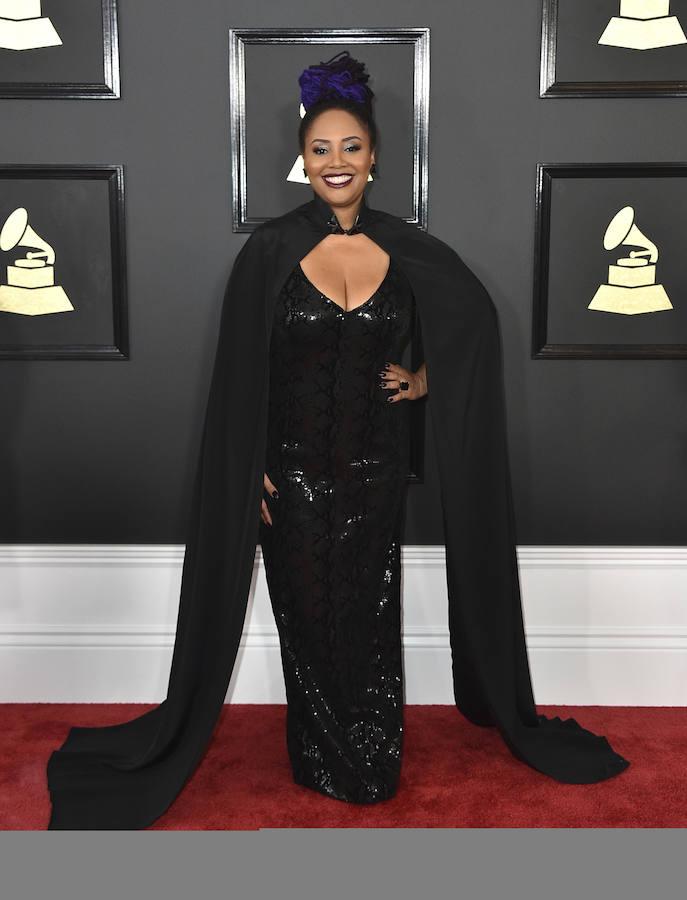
<point x="389" y="399"/>
<point x="275" y="495"/>
<point x="386" y="365"/>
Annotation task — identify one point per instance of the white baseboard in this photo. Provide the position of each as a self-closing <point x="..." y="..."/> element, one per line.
<point x="93" y="623"/>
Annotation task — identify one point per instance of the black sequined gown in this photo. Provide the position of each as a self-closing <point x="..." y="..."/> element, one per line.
<point x="337" y="452"/>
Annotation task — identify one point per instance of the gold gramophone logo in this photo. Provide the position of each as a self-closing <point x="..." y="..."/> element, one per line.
<point x="631" y="287"/>
<point x="30" y="288"/>
<point x="22" y="27"/>
<point x="643" y="25"/>
<point x="296" y="173"/>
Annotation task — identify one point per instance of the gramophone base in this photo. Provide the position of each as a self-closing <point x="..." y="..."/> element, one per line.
<point x="34" y="301"/>
<point x="630" y="301"/>
<point x="28" y="34"/>
<point x="636" y="34"/>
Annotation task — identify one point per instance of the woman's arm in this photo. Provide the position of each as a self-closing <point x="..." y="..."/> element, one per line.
<point x="422" y="375"/>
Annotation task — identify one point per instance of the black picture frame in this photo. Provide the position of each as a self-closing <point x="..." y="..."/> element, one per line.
<point x="240" y="38"/>
<point x="114" y="217"/>
<point x="106" y="88"/>
<point x="542" y="346"/>
<point x="552" y="86"/>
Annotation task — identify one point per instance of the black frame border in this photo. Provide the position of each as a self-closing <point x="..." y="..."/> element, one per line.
<point x="546" y="172"/>
<point x="240" y="37"/>
<point x="108" y="89"/>
<point x="114" y="175"/>
<point x="549" y="86"/>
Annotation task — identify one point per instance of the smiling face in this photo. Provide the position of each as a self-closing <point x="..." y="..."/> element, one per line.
<point x="338" y="157"/>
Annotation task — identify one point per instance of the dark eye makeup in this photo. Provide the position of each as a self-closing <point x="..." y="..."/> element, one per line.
<point x="351" y="147"/>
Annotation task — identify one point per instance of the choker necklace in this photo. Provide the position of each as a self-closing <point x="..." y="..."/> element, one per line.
<point x="335" y="228"/>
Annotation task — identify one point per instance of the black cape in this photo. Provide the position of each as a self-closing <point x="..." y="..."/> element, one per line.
<point x="125" y="776"/>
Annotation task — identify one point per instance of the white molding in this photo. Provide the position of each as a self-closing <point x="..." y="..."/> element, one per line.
<point x="627" y="557"/>
<point x="149" y="554"/>
<point x="538" y="637"/>
<point x="96" y="623"/>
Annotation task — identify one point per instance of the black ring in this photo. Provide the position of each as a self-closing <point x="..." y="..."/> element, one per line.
<point x="404" y="385"/>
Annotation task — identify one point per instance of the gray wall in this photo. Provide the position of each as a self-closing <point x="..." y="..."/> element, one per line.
<point x="103" y="451"/>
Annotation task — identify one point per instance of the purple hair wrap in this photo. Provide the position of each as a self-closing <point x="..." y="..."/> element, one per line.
<point x="346" y="78"/>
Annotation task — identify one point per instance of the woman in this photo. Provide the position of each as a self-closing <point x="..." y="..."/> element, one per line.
<point x="337" y="464"/>
<point x="309" y="313"/>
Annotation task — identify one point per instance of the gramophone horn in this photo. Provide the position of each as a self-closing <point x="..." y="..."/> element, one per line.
<point x="17" y="232"/>
<point x="622" y="230"/>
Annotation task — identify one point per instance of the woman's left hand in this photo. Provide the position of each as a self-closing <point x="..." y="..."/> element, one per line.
<point x="393" y="375"/>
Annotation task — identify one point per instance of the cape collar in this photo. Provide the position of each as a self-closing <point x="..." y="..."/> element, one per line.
<point x="323" y="215"/>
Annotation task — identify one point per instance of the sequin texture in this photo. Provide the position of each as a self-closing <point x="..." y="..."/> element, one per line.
<point x="337" y="452"/>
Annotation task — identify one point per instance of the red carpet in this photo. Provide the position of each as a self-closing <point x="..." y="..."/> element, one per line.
<point x="455" y="775"/>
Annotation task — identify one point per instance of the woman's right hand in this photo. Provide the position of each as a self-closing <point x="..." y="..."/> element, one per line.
<point x="272" y="491"/>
